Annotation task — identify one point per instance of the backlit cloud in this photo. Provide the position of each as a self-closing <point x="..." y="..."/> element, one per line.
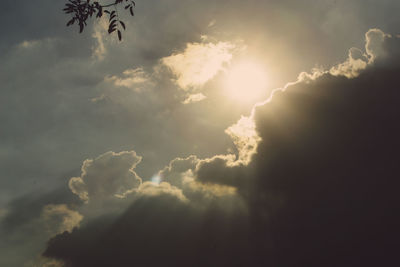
<point x="355" y="63"/>
<point x="245" y="138"/>
<point x="258" y="191"/>
<point x="131" y="78"/>
<point x="319" y="184"/>
<point x="194" y="98"/>
<point x="110" y="175"/>
<point x="375" y="39"/>
<point x="358" y="60"/>
<point x="198" y="63"/>
<point x="59" y="218"/>
<point x="150" y="189"/>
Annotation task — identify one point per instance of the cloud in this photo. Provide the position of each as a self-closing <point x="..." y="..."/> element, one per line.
<point x="155" y="224"/>
<point x="189" y="173"/>
<point x="99" y="50"/>
<point x="3" y="213"/>
<point x="355" y="63"/>
<point x="320" y="191"/>
<point x="327" y="173"/>
<point x="375" y="39"/>
<point x="222" y="170"/>
<point x="59" y="218"/>
<point x="132" y="78"/>
<point x="29" y="44"/>
<point x="212" y="23"/>
<point x="358" y="60"/>
<point x="150" y="189"/>
<point x="245" y="138"/>
<point x="183" y="173"/>
<point x="174" y="173"/>
<point x="206" y="195"/>
<point x="193" y="98"/>
<point x="110" y="175"/>
<point x="46" y="91"/>
<point x="44" y="262"/>
<point x="198" y="63"/>
<point x="31" y="220"/>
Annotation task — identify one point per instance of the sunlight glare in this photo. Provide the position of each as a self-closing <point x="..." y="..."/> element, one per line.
<point x="245" y="81"/>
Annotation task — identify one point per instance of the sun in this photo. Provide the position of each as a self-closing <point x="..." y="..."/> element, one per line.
<point x="246" y="81"/>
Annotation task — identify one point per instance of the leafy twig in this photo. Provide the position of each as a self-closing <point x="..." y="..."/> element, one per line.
<point x="82" y="10"/>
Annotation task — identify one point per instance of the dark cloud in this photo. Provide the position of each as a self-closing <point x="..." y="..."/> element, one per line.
<point x="323" y="189"/>
<point x="30" y="220"/>
<point x="329" y="159"/>
<point x="22" y="210"/>
<point x="57" y="107"/>
<point x="154" y="231"/>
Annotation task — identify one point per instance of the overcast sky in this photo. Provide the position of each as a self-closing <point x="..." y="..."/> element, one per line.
<point x="170" y="149"/>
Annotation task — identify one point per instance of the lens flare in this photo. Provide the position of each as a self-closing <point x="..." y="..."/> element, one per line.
<point x="156" y="179"/>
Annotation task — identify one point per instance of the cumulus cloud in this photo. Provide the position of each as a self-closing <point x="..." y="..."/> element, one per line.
<point x="110" y="175"/>
<point x="198" y="63"/>
<point x="222" y="170"/>
<point x="375" y="39"/>
<point x="245" y="138"/>
<point x="174" y="173"/>
<point x="321" y="189"/>
<point x="59" y="218"/>
<point x="150" y="189"/>
<point x="358" y="60"/>
<point x="207" y="175"/>
<point x="30" y="222"/>
<point x="183" y="173"/>
<point x="206" y="195"/>
<point x="50" y="98"/>
<point x="327" y="173"/>
<point x="355" y="63"/>
<point x="159" y="228"/>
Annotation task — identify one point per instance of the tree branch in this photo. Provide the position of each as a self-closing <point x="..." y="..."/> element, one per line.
<point x="82" y="10"/>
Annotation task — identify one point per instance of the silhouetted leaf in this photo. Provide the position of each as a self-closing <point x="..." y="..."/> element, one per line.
<point x="122" y="24"/>
<point x="82" y="10"/>
<point x="71" y="22"/>
<point x="119" y="35"/>
<point x="112" y="23"/>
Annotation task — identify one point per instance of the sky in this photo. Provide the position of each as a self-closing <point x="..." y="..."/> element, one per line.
<point x="217" y="133"/>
